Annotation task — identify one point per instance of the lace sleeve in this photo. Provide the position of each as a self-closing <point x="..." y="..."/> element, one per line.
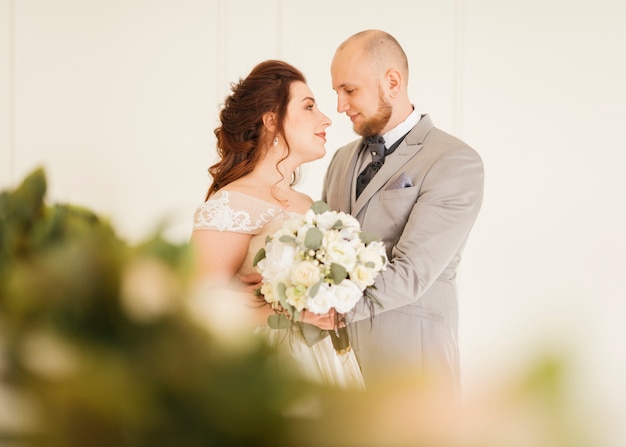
<point x="235" y="212"/>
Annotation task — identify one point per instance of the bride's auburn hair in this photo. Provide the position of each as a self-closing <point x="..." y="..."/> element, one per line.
<point x="242" y="132"/>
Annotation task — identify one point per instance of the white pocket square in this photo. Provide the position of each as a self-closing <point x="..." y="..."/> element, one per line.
<point x="404" y="181"/>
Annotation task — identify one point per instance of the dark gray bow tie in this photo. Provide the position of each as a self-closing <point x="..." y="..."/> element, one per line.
<point x="376" y="147"/>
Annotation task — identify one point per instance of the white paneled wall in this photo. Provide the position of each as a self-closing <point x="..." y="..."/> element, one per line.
<point x="118" y="99"/>
<point x="6" y="93"/>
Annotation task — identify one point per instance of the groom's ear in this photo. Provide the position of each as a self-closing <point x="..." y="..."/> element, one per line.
<point x="269" y="120"/>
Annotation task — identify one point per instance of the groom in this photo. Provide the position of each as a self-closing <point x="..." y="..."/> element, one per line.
<point x="421" y="193"/>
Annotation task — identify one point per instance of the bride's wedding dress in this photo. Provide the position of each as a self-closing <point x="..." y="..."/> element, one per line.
<point x="316" y="360"/>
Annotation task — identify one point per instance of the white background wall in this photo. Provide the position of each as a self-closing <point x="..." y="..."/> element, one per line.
<point x="118" y="100"/>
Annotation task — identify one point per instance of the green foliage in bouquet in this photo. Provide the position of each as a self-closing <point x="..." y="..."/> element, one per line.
<point x="99" y="368"/>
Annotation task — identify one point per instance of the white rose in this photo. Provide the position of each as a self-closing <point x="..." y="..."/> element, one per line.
<point x="362" y="276"/>
<point x="306" y="273"/>
<point x="322" y="301"/>
<point x="341" y="252"/>
<point x="374" y="254"/>
<point x="279" y="258"/>
<point x="347" y="294"/>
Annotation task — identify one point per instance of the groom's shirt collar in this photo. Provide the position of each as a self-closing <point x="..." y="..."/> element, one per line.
<point x="402" y="129"/>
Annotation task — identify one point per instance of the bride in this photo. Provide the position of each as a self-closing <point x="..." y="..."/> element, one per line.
<point x="269" y="126"/>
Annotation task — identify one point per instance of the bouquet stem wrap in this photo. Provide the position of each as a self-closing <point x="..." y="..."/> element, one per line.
<point x="340" y="339"/>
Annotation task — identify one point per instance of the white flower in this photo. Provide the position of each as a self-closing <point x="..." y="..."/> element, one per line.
<point x="301" y="233"/>
<point x="330" y="237"/>
<point x="349" y="221"/>
<point x="348" y="234"/>
<point x="322" y="301"/>
<point x="292" y="225"/>
<point x="325" y="221"/>
<point x="289" y="228"/>
<point x="310" y="217"/>
<point x="267" y="290"/>
<point x="373" y="255"/>
<point x="363" y="276"/>
<point x="296" y="296"/>
<point x="340" y="251"/>
<point x="347" y="294"/>
<point x="306" y="273"/>
<point x="278" y="260"/>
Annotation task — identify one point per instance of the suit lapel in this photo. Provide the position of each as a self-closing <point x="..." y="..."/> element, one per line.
<point x="345" y="194"/>
<point x="409" y="147"/>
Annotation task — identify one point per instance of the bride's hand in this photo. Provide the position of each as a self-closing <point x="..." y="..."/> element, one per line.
<point x="250" y="282"/>
<point x="325" y="321"/>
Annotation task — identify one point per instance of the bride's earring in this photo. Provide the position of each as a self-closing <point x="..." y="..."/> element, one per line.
<point x="276" y="140"/>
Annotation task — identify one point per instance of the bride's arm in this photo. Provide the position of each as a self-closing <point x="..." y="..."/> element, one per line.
<point x="218" y="255"/>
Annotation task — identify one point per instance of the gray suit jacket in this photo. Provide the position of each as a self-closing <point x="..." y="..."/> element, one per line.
<point x="422" y="203"/>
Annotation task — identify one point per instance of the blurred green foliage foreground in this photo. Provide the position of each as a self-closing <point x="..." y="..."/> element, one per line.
<point x="98" y="347"/>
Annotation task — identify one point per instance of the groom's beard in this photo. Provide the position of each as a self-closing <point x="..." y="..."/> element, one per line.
<point x="377" y="123"/>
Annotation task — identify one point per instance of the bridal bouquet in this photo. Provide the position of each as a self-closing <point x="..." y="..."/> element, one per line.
<point x="320" y="262"/>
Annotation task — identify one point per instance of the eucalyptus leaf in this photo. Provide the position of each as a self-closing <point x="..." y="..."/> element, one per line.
<point x="338" y="273"/>
<point x="281" y="289"/>
<point x="278" y="321"/>
<point x="260" y="255"/>
<point x="366" y="238"/>
<point x="313" y="238"/>
<point x="337" y="225"/>
<point x="320" y="207"/>
<point x="313" y="290"/>
<point x="287" y="239"/>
